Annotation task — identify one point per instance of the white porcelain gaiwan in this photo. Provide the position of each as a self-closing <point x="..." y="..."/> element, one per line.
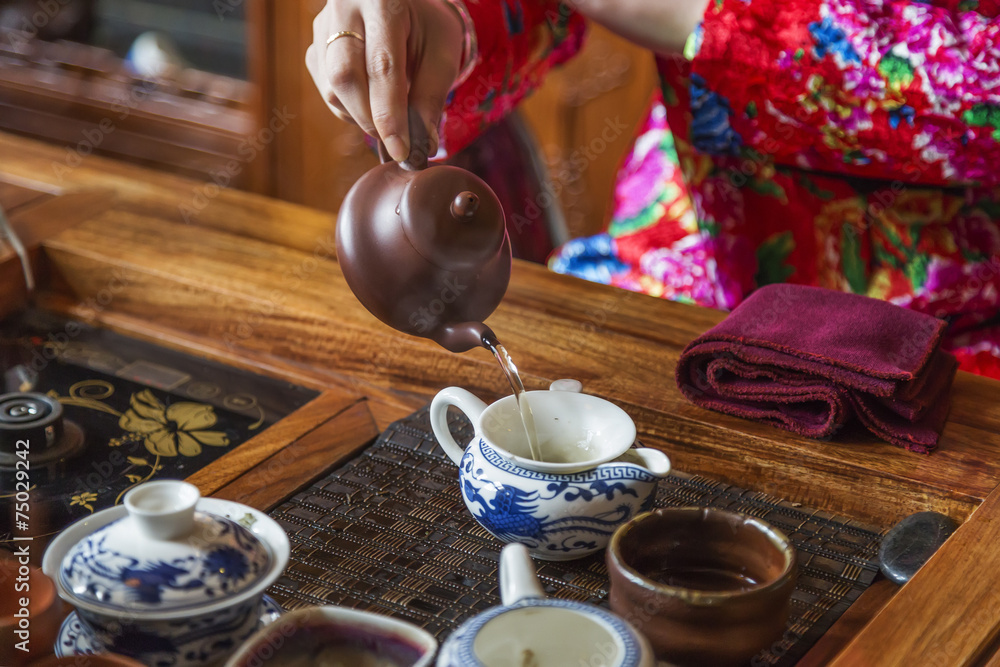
<point x="530" y="629"/>
<point x="168" y="579"/>
<point x="567" y="505"/>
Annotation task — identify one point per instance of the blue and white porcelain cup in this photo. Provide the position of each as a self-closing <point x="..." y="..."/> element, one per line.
<point x="589" y="480"/>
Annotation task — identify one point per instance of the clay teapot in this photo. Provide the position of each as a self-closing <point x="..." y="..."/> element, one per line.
<point x="425" y="248"/>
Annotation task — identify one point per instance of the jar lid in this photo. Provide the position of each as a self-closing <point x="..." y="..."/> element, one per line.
<point x="164" y="555"/>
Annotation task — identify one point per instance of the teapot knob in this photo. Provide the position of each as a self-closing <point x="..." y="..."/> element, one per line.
<point x="465" y="205"/>
<point x="453" y="220"/>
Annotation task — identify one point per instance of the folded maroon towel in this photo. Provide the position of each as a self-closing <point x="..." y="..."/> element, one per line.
<point x="810" y="360"/>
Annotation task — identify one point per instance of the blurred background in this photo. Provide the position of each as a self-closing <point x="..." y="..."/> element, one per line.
<point x="189" y="86"/>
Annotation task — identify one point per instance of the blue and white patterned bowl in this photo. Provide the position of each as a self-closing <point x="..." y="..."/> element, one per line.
<point x="559" y="510"/>
<point x="169" y="579"/>
<point x="558" y="517"/>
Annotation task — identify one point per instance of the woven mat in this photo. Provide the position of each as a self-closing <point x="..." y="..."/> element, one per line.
<point x="388" y="532"/>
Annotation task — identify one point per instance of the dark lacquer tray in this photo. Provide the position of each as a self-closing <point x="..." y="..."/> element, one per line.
<point x="141" y="412"/>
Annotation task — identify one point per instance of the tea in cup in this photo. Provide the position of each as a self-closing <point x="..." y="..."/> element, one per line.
<point x="336" y="637"/>
<point x="706" y="586"/>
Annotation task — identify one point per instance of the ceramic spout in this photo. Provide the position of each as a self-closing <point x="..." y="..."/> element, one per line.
<point x="465" y="336"/>
<point x="651" y="460"/>
<point x="518" y="580"/>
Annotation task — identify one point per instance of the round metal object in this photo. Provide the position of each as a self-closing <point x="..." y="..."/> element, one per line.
<point x="33" y="423"/>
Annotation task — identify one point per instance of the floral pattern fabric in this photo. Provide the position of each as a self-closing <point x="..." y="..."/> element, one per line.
<point x="850" y="144"/>
<point x="519" y="41"/>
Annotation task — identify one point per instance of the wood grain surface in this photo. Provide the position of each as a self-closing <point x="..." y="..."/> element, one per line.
<point x="309" y="456"/>
<point x="956" y="593"/>
<point x="255" y="283"/>
<point x="252" y="296"/>
<point x="276" y="441"/>
<point x="850" y="623"/>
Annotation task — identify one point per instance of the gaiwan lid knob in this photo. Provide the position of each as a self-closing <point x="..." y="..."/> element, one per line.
<point x="163" y="510"/>
<point x="163" y="556"/>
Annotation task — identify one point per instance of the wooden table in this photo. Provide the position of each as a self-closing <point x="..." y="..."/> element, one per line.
<point x="254" y="283"/>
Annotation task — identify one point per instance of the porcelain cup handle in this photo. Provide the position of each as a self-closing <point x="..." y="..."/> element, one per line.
<point x="464" y="401"/>
<point x="518" y="580"/>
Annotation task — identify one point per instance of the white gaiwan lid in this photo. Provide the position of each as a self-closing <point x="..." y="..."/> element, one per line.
<point x="163" y="556"/>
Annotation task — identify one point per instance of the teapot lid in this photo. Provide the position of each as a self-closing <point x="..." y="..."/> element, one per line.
<point x="452" y="218"/>
<point x="163" y="556"/>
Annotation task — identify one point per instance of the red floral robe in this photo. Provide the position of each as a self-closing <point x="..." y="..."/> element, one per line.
<point x="851" y="144"/>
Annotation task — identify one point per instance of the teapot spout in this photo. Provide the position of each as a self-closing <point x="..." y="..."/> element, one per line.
<point x="518" y="580"/>
<point x="465" y="336"/>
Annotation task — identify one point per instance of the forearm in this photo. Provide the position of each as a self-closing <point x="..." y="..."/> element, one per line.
<point x="519" y="41"/>
<point x="662" y="26"/>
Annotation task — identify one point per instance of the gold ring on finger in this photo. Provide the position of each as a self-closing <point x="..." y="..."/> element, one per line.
<point x="344" y="33"/>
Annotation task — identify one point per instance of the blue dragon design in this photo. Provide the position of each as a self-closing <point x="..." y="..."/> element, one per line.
<point x="510" y="512"/>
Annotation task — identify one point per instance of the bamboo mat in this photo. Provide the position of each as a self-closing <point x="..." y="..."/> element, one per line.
<point x="389" y="532"/>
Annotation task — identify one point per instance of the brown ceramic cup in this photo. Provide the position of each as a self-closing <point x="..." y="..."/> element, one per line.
<point x="705" y="586"/>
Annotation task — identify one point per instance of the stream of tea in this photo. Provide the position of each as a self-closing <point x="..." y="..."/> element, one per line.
<point x="510" y="370"/>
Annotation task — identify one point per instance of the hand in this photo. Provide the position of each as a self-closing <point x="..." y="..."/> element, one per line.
<point x="411" y="55"/>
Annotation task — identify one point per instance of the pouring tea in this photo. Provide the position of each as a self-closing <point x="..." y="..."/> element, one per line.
<point x="425" y="248"/>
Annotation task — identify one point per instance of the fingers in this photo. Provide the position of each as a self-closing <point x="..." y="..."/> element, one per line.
<point x="343" y="64"/>
<point x="338" y="75"/>
<point x="345" y="67"/>
<point x="386" y="53"/>
<point x="315" y="54"/>
<point x="440" y="58"/>
<point x="317" y="71"/>
<point x="369" y="81"/>
<point x="431" y="84"/>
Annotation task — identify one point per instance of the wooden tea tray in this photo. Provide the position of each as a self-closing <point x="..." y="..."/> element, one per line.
<point x="254" y="283"/>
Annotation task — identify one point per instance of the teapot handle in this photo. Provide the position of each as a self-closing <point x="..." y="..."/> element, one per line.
<point x="420" y="144"/>
<point x="464" y="401"/>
